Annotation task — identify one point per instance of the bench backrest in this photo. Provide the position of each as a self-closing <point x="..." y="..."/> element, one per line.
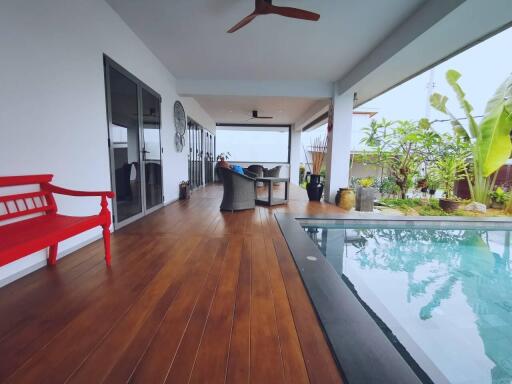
<point x="22" y="204"/>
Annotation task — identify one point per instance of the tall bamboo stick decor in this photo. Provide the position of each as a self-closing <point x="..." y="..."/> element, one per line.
<point x="318" y="150"/>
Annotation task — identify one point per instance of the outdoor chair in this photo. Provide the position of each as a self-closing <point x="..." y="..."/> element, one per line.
<point x="258" y="170"/>
<point x="239" y="191"/>
<point x="272" y="172"/>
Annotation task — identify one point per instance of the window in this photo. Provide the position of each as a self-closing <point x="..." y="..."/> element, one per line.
<point x="255" y="143"/>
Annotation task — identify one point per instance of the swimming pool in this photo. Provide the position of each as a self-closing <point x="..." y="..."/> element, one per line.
<point x="442" y="297"/>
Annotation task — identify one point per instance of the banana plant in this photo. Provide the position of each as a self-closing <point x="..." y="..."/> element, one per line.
<point x="489" y="140"/>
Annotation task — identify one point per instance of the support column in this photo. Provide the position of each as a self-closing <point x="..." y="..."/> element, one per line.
<point x="338" y="145"/>
<point x="295" y="155"/>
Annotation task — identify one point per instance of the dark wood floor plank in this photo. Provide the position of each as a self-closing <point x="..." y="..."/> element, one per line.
<point x="182" y="363"/>
<point x="19" y="308"/>
<point x="266" y="359"/>
<point x="154" y="365"/>
<point x="99" y="363"/>
<point x="293" y="361"/>
<point x="239" y="359"/>
<point x="317" y="355"/>
<point x="211" y="362"/>
<point x="193" y="295"/>
<point x="123" y="369"/>
<point x="16" y="296"/>
<point x="67" y="349"/>
<point x="40" y="328"/>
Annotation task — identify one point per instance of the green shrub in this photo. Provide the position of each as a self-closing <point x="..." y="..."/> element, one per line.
<point x="431" y="209"/>
<point x="400" y="203"/>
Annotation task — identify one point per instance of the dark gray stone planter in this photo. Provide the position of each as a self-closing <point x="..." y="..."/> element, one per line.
<point x="364" y="199"/>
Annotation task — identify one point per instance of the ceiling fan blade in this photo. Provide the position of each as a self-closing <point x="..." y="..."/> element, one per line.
<point x="294" y="13"/>
<point x="246" y="20"/>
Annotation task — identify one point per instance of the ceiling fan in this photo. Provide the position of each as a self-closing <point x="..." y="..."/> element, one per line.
<point x="265" y="7"/>
<point x="256" y="116"/>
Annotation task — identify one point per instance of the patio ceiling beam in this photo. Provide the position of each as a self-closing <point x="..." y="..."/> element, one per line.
<point x="317" y="109"/>
<point x="312" y="89"/>
<point x="428" y="14"/>
<point x="466" y="25"/>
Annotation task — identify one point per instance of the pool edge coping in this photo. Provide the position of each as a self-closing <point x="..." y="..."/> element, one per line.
<point x="356" y="341"/>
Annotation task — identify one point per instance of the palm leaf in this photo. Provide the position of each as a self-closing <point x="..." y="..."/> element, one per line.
<point x="438" y="102"/>
<point x="495" y="129"/>
<point x="452" y="77"/>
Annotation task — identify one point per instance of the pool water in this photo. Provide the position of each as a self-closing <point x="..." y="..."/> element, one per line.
<point x="443" y="296"/>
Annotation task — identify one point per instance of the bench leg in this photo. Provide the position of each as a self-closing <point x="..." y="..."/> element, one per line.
<point x="52" y="257"/>
<point x="106" y="242"/>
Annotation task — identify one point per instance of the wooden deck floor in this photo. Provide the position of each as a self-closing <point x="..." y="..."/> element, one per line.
<point x="194" y="296"/>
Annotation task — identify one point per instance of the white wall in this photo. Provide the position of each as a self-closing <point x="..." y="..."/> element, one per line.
<point x="52" y="101"/>
<point x="295" y="155"/>
<point x="194" y="110"/>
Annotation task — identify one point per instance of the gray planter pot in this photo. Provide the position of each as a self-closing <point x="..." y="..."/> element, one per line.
<point x="364" y="199"/>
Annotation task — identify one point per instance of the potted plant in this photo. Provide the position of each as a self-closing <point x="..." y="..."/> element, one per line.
<point x="422" y="185"/>
<point x="184" y="190"/>
<point x="315" y="186"/>
<point x="448" y="171"/>
<point x="365" y="195"/>
<point x="432" y="183"/>
<point x="221" y="163"/>
<point x="499" y="198"/>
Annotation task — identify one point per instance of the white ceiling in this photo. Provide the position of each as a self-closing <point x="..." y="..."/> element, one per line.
<point x="236" y="110"/>
<point x="190" y="38"/>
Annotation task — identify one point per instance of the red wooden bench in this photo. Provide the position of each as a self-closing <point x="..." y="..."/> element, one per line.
<point x="21" y="238"/>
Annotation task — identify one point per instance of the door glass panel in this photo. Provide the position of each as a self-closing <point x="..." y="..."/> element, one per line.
<point x="125" y="142"/>
<point x="151" y="149"/>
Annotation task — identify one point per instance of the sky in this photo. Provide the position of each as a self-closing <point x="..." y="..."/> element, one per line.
<point x="257" y="145"/>
<point x="483" y="68"/>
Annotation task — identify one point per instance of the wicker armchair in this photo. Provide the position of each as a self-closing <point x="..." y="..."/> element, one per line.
<point x="272" y="172"/>
<point x="239" y="191"/>
<point x="257" y="169"/>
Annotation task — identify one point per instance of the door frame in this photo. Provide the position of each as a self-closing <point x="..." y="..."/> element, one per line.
<point x="196" y="143"/>
<point x="108" y="64"/>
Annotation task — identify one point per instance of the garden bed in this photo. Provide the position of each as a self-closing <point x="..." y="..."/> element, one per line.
<point x="430" y="207"/>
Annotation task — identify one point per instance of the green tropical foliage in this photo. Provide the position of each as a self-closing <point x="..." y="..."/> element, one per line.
<point x="397" y="146"/>
<point x="500" y="196"/>
<point x="488" y="140"/>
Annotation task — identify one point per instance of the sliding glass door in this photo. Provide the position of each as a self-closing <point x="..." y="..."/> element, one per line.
<point x="195" y="157"/>
<point x="134" y="142"/>
<point x="209" y="157"/>
<point x="152" y="151"/>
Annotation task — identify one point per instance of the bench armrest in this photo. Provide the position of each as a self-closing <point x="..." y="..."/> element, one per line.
<point x="63" y="191"/>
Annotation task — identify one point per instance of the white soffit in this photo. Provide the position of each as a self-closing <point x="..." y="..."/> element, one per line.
<point x="189" y="37"/>
<point x="468" y="24"/>
<point x="238" y="110"/>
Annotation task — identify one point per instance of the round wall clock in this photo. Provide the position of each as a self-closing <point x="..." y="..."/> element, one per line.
<point x="180" y="120"/>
